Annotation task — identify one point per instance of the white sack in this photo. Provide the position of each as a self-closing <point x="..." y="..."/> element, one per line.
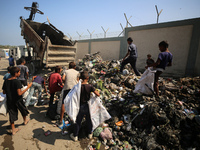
<point x="72" y="102"/>
<point x="3" y="104"/>
<point x="146" y="82"/>
<point x="26" y="93"/>
<point x="97" y="111"/>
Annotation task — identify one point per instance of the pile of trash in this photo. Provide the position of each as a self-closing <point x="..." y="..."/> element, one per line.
<point x="170" y="121"/>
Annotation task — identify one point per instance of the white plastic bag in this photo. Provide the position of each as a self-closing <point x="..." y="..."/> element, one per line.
<point x="98" y="112"/>
<point x="72" y="102"/>
<point x="146" y="83"/>
<point x="3" y="104"/>
<point x="26" y="93"/>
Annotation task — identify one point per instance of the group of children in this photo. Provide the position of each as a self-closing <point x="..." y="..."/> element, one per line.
<point x="164" y="60"/>
<point x="18" y="76"/>
<point x="69" y="79"/>
<point x="13" y="84"/>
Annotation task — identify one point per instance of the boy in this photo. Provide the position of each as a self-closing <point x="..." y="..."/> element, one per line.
<point x="55" y="83"/>
<point x="24" y="72"/>
<point x="37" y="84"/>
<point x="86" y="89"/>
<point x="7" y="75"/>
<point x="164" y="60"/>
<point x="131" y="57"/>
<point x="71" y="78"/>
<point x="149" y="61"/>
<point x="12" y="89"/>
<point x="11" y="61"/>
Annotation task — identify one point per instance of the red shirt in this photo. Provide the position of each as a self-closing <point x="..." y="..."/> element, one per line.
<point x="55" y="83"/>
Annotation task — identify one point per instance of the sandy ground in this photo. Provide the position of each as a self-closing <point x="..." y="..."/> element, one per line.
<point x="31" y="136"/>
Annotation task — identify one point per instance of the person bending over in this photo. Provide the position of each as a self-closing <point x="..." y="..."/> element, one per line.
<point x="164" y="60"/>
<point x="131" y="57"/>
<point x="55" y="83"/>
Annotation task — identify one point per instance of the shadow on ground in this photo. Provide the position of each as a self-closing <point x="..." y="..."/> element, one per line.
<point x="7" y="129"/>
<point x="39" y="134"/>
<point x="49" y="139"/>
<point x="3" y="71"/>
<point x="39" y="110"/>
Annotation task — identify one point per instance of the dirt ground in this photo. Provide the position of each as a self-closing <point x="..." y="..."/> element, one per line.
<point x="31" y="136"/>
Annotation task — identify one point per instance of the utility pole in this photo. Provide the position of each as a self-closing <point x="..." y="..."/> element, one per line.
<point x="158" y="13"/>
<point x="105" y="31"/>
<point x="90" y="33"/>
<point x="80" y="35"/>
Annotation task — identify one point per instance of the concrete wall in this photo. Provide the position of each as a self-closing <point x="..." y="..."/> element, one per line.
<point x="184" y="43"/>
<point x="82" y="49"/>
<point x="179" y="44"/>
<point x="109" y="49"/>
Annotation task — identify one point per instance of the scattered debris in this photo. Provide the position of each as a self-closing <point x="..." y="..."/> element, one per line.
<point x="140" y="121"/>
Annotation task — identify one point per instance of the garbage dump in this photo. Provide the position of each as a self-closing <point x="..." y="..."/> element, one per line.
<point x="140" y="121"/>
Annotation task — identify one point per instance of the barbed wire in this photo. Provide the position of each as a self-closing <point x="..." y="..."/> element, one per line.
<point x="97" y="35"/>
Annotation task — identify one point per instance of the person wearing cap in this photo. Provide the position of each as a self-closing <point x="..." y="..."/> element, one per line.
<point x="131" y="57"/>
<point x="38" y="81"/>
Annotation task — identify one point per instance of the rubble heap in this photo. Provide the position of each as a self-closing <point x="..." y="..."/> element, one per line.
<point x="171" y="121"/>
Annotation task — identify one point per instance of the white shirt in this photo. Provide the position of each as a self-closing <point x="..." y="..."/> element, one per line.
<point x="71" y="76"/>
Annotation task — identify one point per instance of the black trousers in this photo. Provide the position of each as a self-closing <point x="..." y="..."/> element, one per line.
<point x="132" y="61"/>
<point x="64" y="95"/>
<point x="84" y="111"/>
<point x="13" y="110"/>
<point x="51" y="98"/>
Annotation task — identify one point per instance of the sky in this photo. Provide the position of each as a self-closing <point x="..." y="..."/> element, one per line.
<point x="71" y="16"/>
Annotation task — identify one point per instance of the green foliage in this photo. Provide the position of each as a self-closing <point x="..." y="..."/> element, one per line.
<point x="7" y="46"/>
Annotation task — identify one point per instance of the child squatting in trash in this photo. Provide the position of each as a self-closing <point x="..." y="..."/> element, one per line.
<point x="86" y="89"/>
<point x="12" y="89"/>
<point x="164" y="60"/>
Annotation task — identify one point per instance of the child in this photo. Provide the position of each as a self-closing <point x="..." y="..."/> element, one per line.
<point x="86" y="89"/>
<point x="70" y="78"/>
<point x="24" y="72"/>
<point x="7" y="75"/>
<point x="55" y="83"/>
<point x="149" y="61"/>
<point x="12" y="89"/>
<point x="38" y="81"/>
<point x="11" y="61"/>
<point x="131" y="57"/>
<point x="164" y="60"/>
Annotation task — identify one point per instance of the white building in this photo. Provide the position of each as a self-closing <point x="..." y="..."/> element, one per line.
<point x="4" y="53"/>
<point x="20" y="51"/>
